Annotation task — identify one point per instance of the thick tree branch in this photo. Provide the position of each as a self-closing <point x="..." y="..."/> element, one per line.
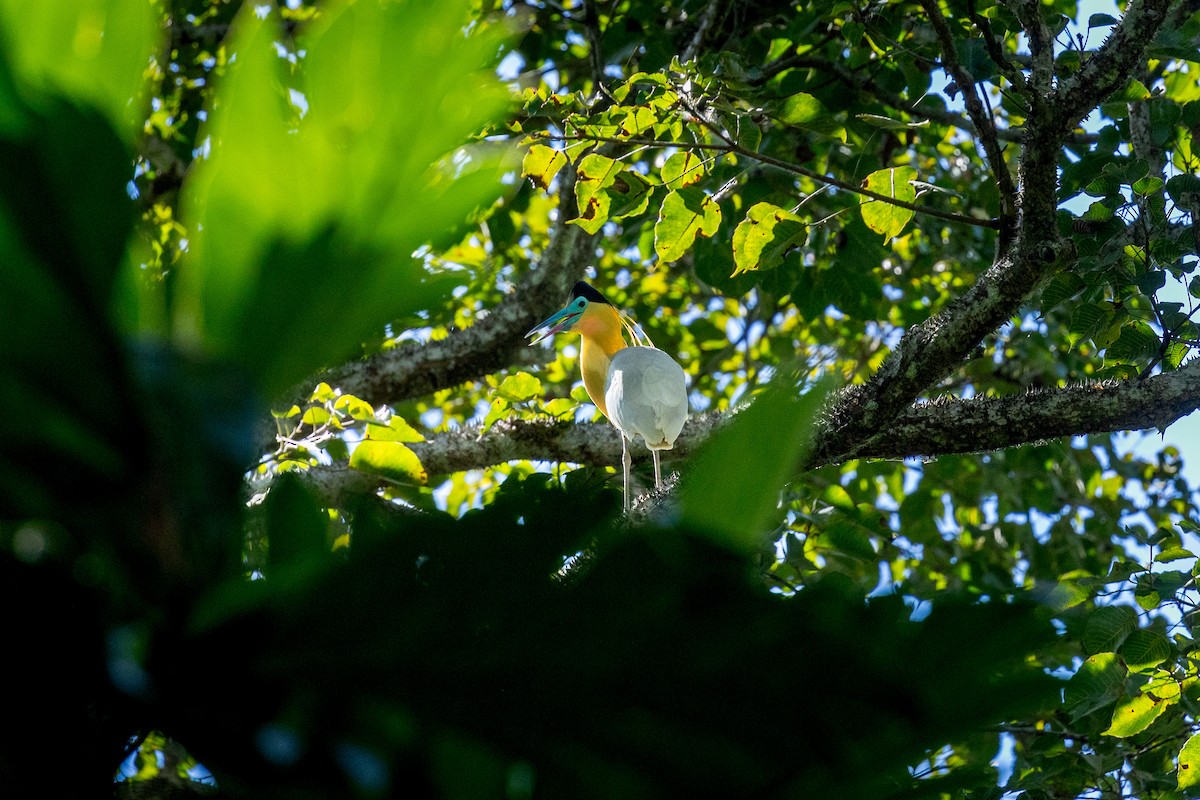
<point x="1112" y="65"/>
<point x="943" y="427"/>
<point x="931" y="350"/>
<point x="994" y="423"/>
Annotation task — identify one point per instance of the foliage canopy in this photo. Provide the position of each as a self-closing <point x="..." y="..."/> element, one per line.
<point x="918" y="258"/>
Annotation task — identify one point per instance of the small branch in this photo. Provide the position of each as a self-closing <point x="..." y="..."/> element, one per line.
<point x="828" y="180"/>
<point x="984" y="123"/>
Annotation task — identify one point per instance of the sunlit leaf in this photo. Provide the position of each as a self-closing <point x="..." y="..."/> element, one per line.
<point x="595" y="174"/>
<point x="685" y="214"/>
<point x="1133" y="715"/>
<point x="1189" y="763"/>
<point x="763" y="238"/>
<point x="520" y="387"/>
<point x="883" y="217"/>
<point x="541" y="164"/>
<point x="682" y="169"/>
<point x="1098" y="681"/>
<point x="388" y="459"/>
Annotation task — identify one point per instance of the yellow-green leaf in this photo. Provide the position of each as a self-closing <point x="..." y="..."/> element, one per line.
<point x="397" y="430"/>
<point x="541" y="164"/>
<point x="884" y="217"/>
<point x="763" y="238"/>
<point x="519" y="387"/>
<point x="357" y="408"/>
<point x="682" y="169"/>
<point x="596" y="173"/>
<point x="1133" y="715"/>
<point x="391" y="460"/>
<point x="1189" y="763"/>
<point x="685" y="213"/>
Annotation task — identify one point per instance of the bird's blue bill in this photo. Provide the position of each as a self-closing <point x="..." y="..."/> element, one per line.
<point x="559" y="321"/>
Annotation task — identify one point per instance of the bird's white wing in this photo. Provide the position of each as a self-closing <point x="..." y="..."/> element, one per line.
<point x="646" y="394"/>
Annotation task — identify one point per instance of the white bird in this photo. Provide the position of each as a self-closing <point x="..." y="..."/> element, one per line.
<point x="641" y="389"/>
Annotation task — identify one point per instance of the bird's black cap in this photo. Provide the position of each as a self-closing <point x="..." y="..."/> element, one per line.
<point x="584" y="289"/>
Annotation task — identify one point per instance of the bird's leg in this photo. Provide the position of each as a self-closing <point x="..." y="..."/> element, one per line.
<point x="657" y="472"/>
<point x="627" y="462"/>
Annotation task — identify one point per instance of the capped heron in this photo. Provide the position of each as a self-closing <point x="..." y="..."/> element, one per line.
<point x="639" y="388"/>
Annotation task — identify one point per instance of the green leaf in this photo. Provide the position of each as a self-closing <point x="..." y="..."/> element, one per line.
<point x="629" y="195"/>
<point x="1147" y="185"/>
<point x="732" y="488"/>
<point x="1101" y="20"/>
<point x="1137" y="341"/>
<point x="763" y="238"/>
<point x="685" y="214"/>
<point x="1061" y="288"/>
<point x="802" y="110"/>
<point x="388" y="459"/>
<point x="1096" y="683"/>
<point x="881" y="216"/>
<point x="595" y="174"/>
<point x="1145" y="648"/>
<point x="889" y="124"/>
<point x="519" y="387"/>
<point x="1107" y="628"/>
<point x="1062" y="595"/>
<point x="1184" y="190"/>
<point x="541" y="164"/>
<point x="682" y="169"/>
<point x="396" y="430"/>
<point x="1134" y="714"/>
<point x="290" y="269"/>
<point x="96" y="51"/>
<point x="1189" y="763"/>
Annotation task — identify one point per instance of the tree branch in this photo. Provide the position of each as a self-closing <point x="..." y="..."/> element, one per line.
<point x="729" y="146"/>
<point x="942" y="427"/>
<point x="1112" y="64"/>
<point x="980" y="117"/>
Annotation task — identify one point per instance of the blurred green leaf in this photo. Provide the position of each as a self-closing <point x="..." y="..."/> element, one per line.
<point x="732" y="487"/>
<point x="97" y="51"/>
<point x="271" y="243"/>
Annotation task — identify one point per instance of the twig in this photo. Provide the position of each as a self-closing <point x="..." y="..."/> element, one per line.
<point x="730" y="146"/>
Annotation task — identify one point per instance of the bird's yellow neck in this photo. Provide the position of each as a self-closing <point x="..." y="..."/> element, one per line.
<point x="600" y="328"/>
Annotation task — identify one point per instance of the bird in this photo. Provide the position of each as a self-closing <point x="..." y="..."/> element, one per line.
<point x="639" y="388"/>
